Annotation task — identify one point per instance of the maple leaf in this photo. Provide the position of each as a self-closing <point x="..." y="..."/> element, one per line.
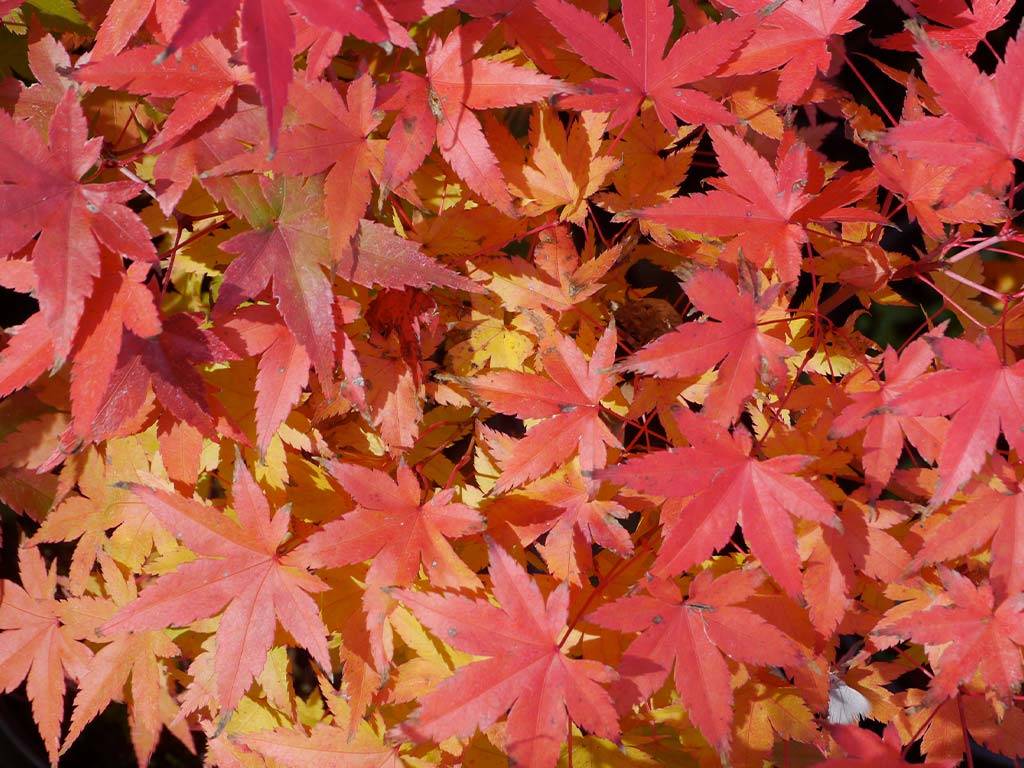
<point x="978" y="134"/>
<point x="931" y="194"/>
<point x="29" y="352"/>
<point x="983" y="395"/>
<point x="394" y="529"/>
<point x="440" y="107"/>
<point x="50" y="65"/>
<point x="521" y="642"/>
<point x="238" y="570"/>
<point x="560" y="278"/>
<point x="694" y="635"/>
<point x="329" y="746"/>
<point x="568" y="509"/>
<point x="765" y="209"/>
<point x="139" y="657"/>
<point x="884" y="431"/>
<point x="568" y="403"/>
<point x="963" y="28"/>
<point x="523" y="25"/>
<point x="797" y="38"/>
<point x="862" y="747"/>
<point x="41" y="193"/>
<point x="164" y="362"/>
<point x="728" y="485"/>
<point x="288" y="248"/>
<point x="330" y="135"/>
<point x="979" y="636"/>
<point x="394" y="400"/>
<point x="100" y="507"/>
<point x="269" y="37"/>
<point x="564" y="168"/>
<point x="988" y="517"/>
<point x="282" y="371"/>
<point x="123" y="19"/>
<point x="644" y="70"/>
<point x="736" y="343"/>
<point x="40" y="644"/>
<point x="380" y="257"/>
<point x="120" y="305"/>
<point x="653" y="166"/>
<point x="841" y="557"/>
<point x="988" y="722"/>
<point x="200" y="80"/>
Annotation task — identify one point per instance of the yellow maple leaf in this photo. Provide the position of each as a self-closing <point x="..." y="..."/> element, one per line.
<point x="563" y="167"/>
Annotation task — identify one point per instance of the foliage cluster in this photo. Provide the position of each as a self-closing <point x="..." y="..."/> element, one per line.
<point x="485" y="382"/>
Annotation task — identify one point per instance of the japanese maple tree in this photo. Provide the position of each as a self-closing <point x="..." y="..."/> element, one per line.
<point x="436" y="383"/>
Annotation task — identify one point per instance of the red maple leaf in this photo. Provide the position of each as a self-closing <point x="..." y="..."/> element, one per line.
<point x="567" y="508"/>
<point x="964" y="26"/>
<point x="439" y="106"/>
<point x="736" y="343"/>
<point x="379" y="257"/>
<point x="884" y="431"/>
<point x="523" y="25"/>
<point x="29" y="352"/>
<point x="329" y="134"/>
<point x="238" y="570"/>
<point x="865" y="748"/>
<point x="41" y="193"/>
<point x="568" y="402"/>
<point x="763" y="209"/>
<point x="989" y="516"/>
<point x="282" y="371"/>
<point x="288" y="249"/>
<point x="728" y="486"/>
<point x="123" y="19"/>
<point x="843" y="556"/>
<point x="980" y="637"/>
<point x="269" y="36"/>
<point x="200" y="80"/>
<point x="694" y="635"/>
<point x="644" y="70"/>
<point x="933" y="193"/>
<point x="526" y="672"/>
<point x="979" y="134"/>
<point x="165" y="362"/>
<point x="797" y="38"/>
<point x="982" y="394"/>
<point x="395" y="529"/>
<point x="121" y="304"/>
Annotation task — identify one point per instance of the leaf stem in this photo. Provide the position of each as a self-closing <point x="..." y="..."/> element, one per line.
<point x="870" y="90"/>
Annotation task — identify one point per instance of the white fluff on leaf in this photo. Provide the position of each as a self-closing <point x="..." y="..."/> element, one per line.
<point x="846" y="705"/>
